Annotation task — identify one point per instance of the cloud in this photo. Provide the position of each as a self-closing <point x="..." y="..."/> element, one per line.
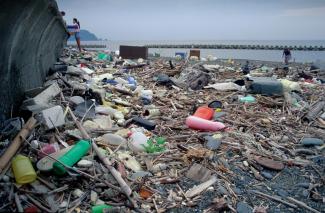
<point x="303" y="12"/>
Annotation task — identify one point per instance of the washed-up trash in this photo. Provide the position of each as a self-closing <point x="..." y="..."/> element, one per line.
<point x="215" y="104"/>
<point x="11" y="126"/>
<point x="102" y="56"/>
<point x="144" y="123"/>
<point x="71" y="157"/>
<point x="86" y="109"/>
<point x="137" y="141"/>
<point x="100" y="208"/>
<point x="289" y="86"/>
<point x="85" y="163"/>
<point x="204" y="112"/>
<point x="48" y="149"/>
<point x="230" y="86"/>
<point x="87" y="70"/>
<point x="145" y="193"/>
<point x="314" y="111"/>
<point x="76" y="100"/>
<point x="203" y="124"/>
<point x="312" y="142"/>
<point x="53" y="117"/>
<point x="265" y="86"/>
<point x="247" y="99"/>
<point x="155" y="145"/>
<point x="151" y="112"/>
<point x="162" y="79"/>
<point x="112" y="139"/>
<point x="129" y="161"/>
<point x="23" y="170"/>
<point x="46" y="163"/>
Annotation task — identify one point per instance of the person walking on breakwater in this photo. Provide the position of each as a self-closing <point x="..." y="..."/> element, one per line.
<point x="75" y="30"/>
<point x="287" y="55"/>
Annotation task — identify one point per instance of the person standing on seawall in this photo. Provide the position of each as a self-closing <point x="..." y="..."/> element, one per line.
<point x="286" y="55"/>
<point x="75" y="30"/>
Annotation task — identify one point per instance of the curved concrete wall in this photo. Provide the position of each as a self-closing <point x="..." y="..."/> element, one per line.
<point x="32" y="36"/>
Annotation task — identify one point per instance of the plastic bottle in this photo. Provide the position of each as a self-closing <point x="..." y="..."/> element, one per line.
<point x="113" y="139"/>
<point x="137" y="140"/>
<point x="204" y="112"/>
<point x="23" y="170"/>
<point x="247" y="99"/>
<point x="71" y="157"/>
<point x="99" y="208"/>
<point x="132" y="81"/>
<point x="202" y="124"/>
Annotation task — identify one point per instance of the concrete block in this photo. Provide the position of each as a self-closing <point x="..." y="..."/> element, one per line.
<point x="48" y="94"/>
<point x="52" y="116"/>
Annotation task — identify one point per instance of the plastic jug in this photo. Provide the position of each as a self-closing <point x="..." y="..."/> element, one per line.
<point x="204" y="112"/>
<point x="137" y="140"/>
<point x="71" y="157"/>
<point x="202" y="124"/>
<point x="23" y="170"/>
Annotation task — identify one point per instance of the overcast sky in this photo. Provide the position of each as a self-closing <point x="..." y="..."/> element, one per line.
<point x="199" y="19"/>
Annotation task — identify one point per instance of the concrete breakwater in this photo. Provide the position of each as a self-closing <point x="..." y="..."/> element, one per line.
<point x="32" y="35"/>
<point x="243" y="47"/>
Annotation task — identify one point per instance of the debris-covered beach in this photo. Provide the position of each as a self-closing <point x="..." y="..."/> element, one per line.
<point x="167" y="135"/>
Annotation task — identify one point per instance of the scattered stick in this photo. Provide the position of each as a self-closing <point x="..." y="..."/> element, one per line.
<point x="273" y="198"/>
<point x="302" y="204"/>
<point x="17" y="142"/>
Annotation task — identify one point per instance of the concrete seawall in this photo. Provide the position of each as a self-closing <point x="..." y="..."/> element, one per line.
<point x="32" y="36"/>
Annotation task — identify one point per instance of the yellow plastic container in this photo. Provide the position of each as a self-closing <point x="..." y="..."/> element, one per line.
<point x="23" y="170"/>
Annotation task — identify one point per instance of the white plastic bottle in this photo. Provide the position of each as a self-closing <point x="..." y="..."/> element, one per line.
<point x="137" y="140"/>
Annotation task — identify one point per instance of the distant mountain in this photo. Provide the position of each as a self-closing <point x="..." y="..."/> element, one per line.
<point x="85" y="35"/>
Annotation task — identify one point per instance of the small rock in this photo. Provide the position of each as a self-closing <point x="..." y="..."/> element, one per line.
<point x="76" y="100"/>
<point x="269" y="163"/>
<point x="267" y="175"/>
<point x="212" y="143"/>
<point x="244" y="208"/>
<point x="93" y="197"/>
<point x="305" y="193"/>
<point x="85" y="163"/>
<point x="222" y="190"/>
<point x="282" y="193"/>
<point x="312" y="142"/>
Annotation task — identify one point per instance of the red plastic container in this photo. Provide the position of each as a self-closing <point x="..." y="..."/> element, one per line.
<point x="204" y="112"/>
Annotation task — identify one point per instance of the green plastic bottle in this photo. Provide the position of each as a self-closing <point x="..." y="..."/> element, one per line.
<point x="99" y="208"/>
<point x="71" y="157"/>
